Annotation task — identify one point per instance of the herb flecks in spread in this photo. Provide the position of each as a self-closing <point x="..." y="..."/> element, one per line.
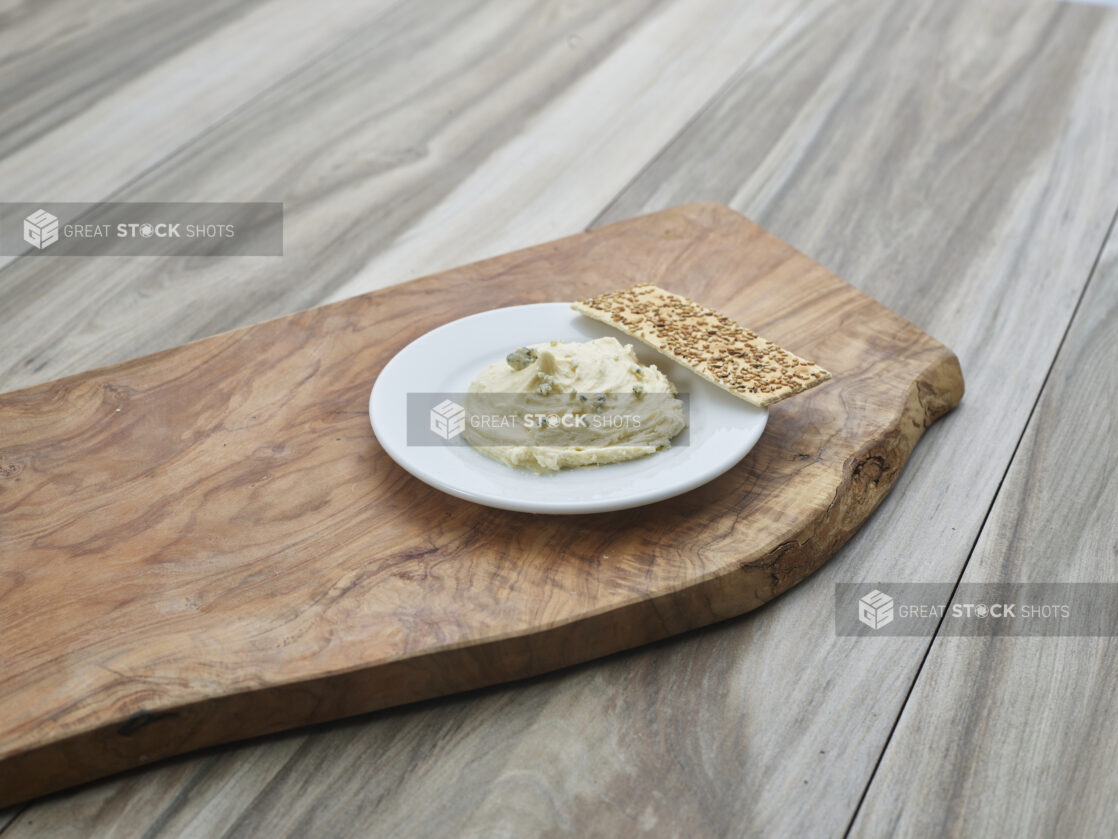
<point x="521" y="358"/>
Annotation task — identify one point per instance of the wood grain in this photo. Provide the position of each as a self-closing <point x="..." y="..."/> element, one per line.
<point x="935" y="175"/>
<point x="251" y="559"/>
<point x="665" y="740"/>
<point x="547" y="110"/>
<point x="948" y="158"/>
<point x="1030" y="717"/>
<point x="152" y="109"/>
<point x="61" y="58"/>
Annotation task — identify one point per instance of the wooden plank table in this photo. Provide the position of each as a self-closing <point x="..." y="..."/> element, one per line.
<point x="952" y="159"/>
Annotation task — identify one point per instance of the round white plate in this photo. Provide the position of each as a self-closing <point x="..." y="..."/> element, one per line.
<point x="721" y="428"/>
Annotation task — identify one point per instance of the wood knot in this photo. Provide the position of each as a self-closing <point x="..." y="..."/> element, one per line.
<point x="141" y="719"/>
<point x="869" y="470"/>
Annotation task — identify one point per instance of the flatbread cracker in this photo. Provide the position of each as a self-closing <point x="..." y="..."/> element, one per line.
<point x="723" y="352"/>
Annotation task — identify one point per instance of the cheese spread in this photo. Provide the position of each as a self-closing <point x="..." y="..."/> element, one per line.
<point x="558" y="405"/>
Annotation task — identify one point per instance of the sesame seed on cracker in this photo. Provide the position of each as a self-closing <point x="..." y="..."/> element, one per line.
<point x="710" y="344"/>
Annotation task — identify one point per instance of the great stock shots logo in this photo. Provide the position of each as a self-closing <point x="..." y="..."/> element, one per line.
<point x="40" y="229"/>
<point x="1004" y="608"/>
<point x="875" y="610"/>
<point x="448" y="419"/>
<point x="111" y="228"/>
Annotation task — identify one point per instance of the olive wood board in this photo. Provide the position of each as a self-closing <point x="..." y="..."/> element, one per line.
<point x="207" y="543"/>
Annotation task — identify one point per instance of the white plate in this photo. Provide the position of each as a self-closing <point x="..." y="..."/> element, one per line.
<point x="722" y="428"/>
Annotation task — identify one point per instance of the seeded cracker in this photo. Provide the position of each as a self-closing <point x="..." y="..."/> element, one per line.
<point x="723" y="352"/>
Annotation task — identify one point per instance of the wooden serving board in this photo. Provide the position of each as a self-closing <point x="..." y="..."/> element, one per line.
<point x="207" y="543"/>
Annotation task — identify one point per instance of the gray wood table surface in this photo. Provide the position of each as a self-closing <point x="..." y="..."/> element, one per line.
<point x="956" y="159"/>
